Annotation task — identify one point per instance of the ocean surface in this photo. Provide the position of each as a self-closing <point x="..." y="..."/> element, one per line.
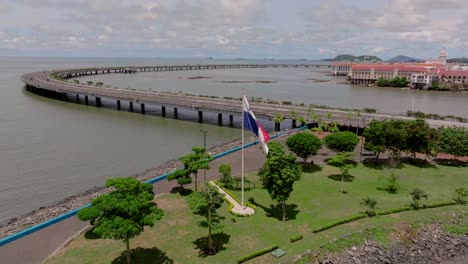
<point x="51" y="149"/>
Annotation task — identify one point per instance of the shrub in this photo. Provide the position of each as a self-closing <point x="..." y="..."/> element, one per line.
<point x="295" y="238"/>
<point x="342" y="141"/>
<point x="371" y="204"/>
<point x="461" y="195"/>
<point x="392" y="183"/>
<point x="89" y="82"/>
<point x="287" y="103"/>
<point x="394" y="210"/>
<point x="369" y="110"/>
<point x="256" y="254"/>
<point x="416" y="195"/>
<point x="340" y="222"/>
<point x="442" y="204"/>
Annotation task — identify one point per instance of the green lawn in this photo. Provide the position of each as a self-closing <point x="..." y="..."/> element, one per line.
<point x="315" y="202"/>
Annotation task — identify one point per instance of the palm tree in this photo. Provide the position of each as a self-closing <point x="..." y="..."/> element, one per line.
<point x="371" y="205"/>
<point x="278" y="118"/>
<point x="349" y="116"/>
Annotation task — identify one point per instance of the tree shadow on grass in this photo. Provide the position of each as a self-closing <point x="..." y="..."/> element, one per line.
<point x="91" y="235"/>
<point x="337" y="177"/>
<point x="181" y="190"/>
<point x="310" y="168"/>
<point x="276" y="211"/>
<point x="420" y="163"/>
<point x="372" y="163"/>
<point x="451" y="162"/>
<point x="144" y="256"/>
<point x="219" y="240"/>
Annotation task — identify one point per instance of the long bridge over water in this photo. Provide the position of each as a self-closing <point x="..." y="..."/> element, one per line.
<point x="54" y="84"/>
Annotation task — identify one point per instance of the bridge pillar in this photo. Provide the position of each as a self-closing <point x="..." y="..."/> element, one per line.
<point x="64" y="96"/>
<point x="118" y="105"/>
<point x="86" y="100"/>
<point x="143" y="108"/>
<point x="231" y="120"/>
<point x="130" y="104"/>
<point x="98" y="102"/>
<point x="163" y="111"/>
<point x="277" y="126"/>
<point x="294" y="123"/>
<point x="176" y="114"/>
<point x="200" y="116"/>
<point x="77" y="98"/>
<point x="220" y="119"/>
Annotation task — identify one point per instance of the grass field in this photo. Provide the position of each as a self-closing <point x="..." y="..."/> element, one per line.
<point x="315" y="202"/>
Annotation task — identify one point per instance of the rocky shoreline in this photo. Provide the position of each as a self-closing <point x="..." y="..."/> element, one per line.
<point x="16" y="224"/>
<point x="429" y="244"/>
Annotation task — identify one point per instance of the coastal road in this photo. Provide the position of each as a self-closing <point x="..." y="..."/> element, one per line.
<point x="37" y="247"/>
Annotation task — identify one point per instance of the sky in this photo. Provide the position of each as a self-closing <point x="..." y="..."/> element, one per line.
<point x="279" y="29"/>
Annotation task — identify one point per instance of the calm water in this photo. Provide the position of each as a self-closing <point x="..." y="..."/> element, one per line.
<point x="51" y="149"/>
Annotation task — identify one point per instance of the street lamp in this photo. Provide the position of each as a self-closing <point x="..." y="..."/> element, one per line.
<point x="362" y="138"/>
<point x="204" y="131"/>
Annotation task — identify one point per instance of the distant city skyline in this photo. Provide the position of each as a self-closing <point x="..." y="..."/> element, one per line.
<point x="296" y="29"/>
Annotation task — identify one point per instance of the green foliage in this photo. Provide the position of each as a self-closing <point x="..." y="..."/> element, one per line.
<point x="417" y="194"/>
<point x="287" y="103"/>
<point x="279" y="173"/>
<point x="88" y="213"/>
<point x="257" y="254"/>
<point x="453" y="140"/>
<point x="369" y="110"/>
<point x="371" y="205"/>
<point x="342" y="141"/>
<point x="89" y="82"/>
<point x="206" y="204"/>
<point x="340" y="222"/>
<point x="391" y="185"/>
<point x="76" y="81"/>
<point x="461" y="195"/>
<point x="420" y="137"/>
<point x="296" y="238"/>
<point x="386" y="134"/>
<point x="193" y="162"/>
<point x="304" y="144"/>
<point x="395" y="82"/>
<point x="234" y="197"/>
<point x="125" y="211"/>
<point x="224" y="170"/>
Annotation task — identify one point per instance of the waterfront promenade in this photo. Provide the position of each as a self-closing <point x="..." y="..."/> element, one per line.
<point x="37" y="247"/>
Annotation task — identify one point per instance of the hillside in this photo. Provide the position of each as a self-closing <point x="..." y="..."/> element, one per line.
<point x="348" y="57"/>
<point x="403" y="58"/>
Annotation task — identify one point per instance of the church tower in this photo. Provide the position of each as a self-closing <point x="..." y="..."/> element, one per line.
<point x="443" y="56"/>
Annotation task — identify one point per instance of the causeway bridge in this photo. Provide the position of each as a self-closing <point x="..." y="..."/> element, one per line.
<point x="56" y="84"/>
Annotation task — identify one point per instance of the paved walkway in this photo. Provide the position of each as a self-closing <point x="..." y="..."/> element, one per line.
<point x="37" y="247"/>
<point x="238" y="209"/>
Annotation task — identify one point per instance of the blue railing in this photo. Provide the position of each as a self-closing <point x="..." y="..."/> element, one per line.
<point x="60" y="218"/>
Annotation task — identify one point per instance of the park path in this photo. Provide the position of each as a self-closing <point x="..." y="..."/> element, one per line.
<point x="37" y="247"/>
<point x="238" y="209"/>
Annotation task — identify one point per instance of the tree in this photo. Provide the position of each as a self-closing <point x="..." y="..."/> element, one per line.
<point x="342" y="161"/>
<point x="392" y="183"/>
<point x="206" y="204"/>
<point x="342" y="141"/>
<point x="224" y="170"/>
<point x="278" y="118"/>
<point x="192" y="163"/>
<point x="395" y="135"/>
<point x="279" y="173"/>
<point x="374" y="134"/>
<point x="461" y="195"/>
<point x="453" y="140"/>
<point x="304" y="144"/>
<point x="416" y="195"/>
<point x="124" y="212"/>
<point x="420" y="137"/>
<point x="371" y="205"/>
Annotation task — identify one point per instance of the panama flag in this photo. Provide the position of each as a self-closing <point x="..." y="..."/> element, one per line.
<point x="251" y="123"/>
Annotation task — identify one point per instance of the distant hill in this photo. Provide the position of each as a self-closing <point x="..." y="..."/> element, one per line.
<point x="348" y="57"/>
<point x="458" y="60"/>
<point x="402" y="58"/>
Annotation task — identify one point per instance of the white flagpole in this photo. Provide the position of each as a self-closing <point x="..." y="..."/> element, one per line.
<point x="242" y="173"/>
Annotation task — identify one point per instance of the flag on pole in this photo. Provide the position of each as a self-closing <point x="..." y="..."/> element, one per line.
<point x="251" y="123"/>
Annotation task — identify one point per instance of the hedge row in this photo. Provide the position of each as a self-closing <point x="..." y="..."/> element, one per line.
<point x="231" y="206"/>
<point x="343" y="221"/>
<point x="395" y="210"/>
<point x="256" y="254"/>
<point x="295" y="238"/>
<point x="390" y="211"/>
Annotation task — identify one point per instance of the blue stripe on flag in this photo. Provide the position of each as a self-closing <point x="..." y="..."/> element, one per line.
<point x="250" y="123"/>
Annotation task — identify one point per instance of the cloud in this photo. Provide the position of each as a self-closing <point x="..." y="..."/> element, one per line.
<point x="237" y="28"/>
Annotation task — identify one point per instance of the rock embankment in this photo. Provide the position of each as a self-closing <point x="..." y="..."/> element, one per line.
<point x="430" y="245"/>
